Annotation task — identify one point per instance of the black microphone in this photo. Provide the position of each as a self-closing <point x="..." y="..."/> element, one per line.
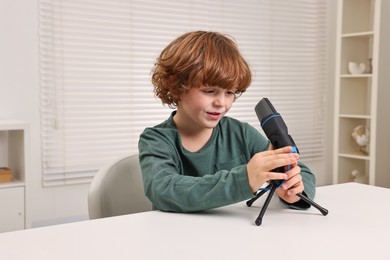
<point x="276" y="131"/>
<point x="274" y="128"/>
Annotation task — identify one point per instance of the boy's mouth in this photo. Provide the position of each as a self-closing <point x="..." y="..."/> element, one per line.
<point x="214" y="115"/>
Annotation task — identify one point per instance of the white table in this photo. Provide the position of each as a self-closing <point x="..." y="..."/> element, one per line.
<point x="357" y="227"/>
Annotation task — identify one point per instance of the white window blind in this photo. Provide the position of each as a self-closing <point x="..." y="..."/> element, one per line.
<point x="96" y="57"/>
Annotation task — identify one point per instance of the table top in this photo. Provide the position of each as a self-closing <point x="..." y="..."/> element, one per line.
<point x="357" y="227"/>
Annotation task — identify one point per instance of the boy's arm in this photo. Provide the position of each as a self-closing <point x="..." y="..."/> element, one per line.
<point x="170" y="190"/>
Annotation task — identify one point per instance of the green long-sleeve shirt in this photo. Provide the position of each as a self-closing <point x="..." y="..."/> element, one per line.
<point x="182" y="181"/>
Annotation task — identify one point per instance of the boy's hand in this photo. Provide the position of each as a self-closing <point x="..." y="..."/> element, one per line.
<point x="292" y="185"/>
<point x="259" y="169"/>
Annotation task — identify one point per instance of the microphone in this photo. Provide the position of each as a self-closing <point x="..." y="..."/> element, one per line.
<point x="274" y="128"/>
<point x="276" y="131"/>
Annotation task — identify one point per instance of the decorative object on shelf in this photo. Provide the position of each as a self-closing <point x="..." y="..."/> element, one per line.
<point x="369" y="67"/>
<point x="358" y="177"/>
<point x="356" y="68"/>
<point x="5" y="174"/>
<point x="361" y="137"/>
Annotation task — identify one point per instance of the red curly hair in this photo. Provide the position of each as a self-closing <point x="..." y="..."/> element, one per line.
<point x="198" y="59"/>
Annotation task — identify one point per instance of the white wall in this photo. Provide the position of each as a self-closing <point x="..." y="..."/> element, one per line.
<point x="19" y="95"/>
<point x="19" y="99"/>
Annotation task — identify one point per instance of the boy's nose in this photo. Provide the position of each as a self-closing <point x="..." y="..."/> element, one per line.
<point x="220" y="100"/>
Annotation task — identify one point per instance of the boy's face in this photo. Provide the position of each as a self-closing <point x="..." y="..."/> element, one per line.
<point x="203" y="107"/>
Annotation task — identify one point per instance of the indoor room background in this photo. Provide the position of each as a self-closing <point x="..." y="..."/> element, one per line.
<point x="25" y="64"/>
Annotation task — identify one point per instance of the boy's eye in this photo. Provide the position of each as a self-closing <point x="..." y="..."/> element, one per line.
<point x="233" y="93"/>
<point x="213" y="91"/>
<point x="209" y="91"/>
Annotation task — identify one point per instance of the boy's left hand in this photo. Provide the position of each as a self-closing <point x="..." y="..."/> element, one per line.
<point x="291" y="186"/>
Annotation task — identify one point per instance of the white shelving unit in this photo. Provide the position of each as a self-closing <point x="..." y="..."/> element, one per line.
<point x="14" y="154"/>
<point x="363" y="36"/>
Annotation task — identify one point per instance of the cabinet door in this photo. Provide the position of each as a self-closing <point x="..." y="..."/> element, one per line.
<point x="11" y="209"/>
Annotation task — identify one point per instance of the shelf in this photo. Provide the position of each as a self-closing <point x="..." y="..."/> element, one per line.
<point x="15" y="183"/>
<point x="12" y="146"/>
<point x="357" y="16"/>
<point x="351" y="116"/>
<point x="348" y="165"/>
<point x="6" y="125"/>
<point x="358" y="34"/>
<point x="347" y="145"/>
<point x="355" y="96"/>
<point x="362" y="99"/>
<point x="364" y="75"/>
<point x="355" y="49"/>
<point x="354" y="156"/>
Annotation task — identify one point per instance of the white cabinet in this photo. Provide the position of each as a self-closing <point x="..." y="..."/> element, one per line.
<point x="14" y="154"/>
<point x="12" y="215"/>
<point x="362" y="98"/>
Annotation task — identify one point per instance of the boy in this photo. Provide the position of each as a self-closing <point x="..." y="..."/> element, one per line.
<point x="199" y="158"/>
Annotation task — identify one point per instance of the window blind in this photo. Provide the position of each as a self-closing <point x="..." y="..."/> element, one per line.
<point x="96" y="58"/>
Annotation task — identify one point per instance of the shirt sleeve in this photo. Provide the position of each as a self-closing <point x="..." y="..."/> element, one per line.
<point x="169" y="190"/>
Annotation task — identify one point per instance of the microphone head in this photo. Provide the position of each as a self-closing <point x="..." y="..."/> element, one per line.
<point x="264" y="109"/>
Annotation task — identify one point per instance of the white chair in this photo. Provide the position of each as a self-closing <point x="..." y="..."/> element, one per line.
<point x="117" y="189"/>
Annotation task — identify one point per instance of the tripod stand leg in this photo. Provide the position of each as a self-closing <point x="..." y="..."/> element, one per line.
<point x="258" y="195"/>
<point x="321" y="209"/>
<point x="264" y="208"/>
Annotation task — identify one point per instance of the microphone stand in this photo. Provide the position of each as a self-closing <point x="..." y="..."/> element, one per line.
<point x="276" y="131"/>
<point x="272" y="186"/>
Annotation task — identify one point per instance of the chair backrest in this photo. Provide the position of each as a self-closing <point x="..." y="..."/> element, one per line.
<point x="117" y="189"/>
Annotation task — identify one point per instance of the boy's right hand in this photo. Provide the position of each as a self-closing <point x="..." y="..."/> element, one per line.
<point x="259" y="168"/>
